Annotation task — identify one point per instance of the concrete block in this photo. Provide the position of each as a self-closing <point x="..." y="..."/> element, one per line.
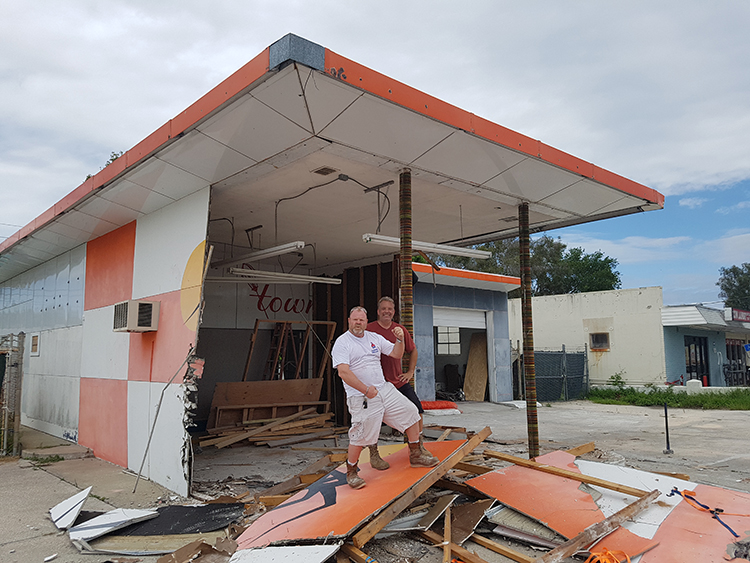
<point x="694" y="386"/>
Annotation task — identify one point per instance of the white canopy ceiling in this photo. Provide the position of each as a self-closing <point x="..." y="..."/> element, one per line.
<point x="259" y="138"/>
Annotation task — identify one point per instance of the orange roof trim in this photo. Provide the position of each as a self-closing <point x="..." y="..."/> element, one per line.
<point x="466" y="274"/>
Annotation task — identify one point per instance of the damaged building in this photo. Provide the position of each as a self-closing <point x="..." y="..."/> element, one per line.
<point x="227" y="247"/>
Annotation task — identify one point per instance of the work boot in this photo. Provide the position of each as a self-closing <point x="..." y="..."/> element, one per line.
<point x="377" y="462"/>
<point x="421" y="446"/>
<point x="419" y="459"/>
<point x="354" y="480"/>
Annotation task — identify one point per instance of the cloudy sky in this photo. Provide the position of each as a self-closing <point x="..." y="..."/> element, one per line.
<point x="658" y="92"/>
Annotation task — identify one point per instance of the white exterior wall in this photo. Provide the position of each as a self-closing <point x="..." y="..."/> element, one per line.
<point x="47" y="301"/>
<point x="632" y="317"/>
<point x="164" y="242"/>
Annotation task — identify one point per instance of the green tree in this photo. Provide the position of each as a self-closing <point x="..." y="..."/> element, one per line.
<point x="555" y="269"/>
<point x="734" y="286"/>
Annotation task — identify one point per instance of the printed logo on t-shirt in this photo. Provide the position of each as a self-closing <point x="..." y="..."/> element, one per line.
<point x="373" y="348"/>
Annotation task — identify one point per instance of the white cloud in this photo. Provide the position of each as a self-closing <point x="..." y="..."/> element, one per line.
<point x="634" y="249"/>
<point x="692" y="202"/>
<point x="725" y="251"/>
<point x="739" y="206"/>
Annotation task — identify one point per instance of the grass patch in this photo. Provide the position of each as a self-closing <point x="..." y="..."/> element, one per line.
<point x="48" y="460"/>
<point x="737" y="399"/>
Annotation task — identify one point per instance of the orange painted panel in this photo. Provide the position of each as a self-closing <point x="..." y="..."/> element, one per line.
<point x="109" y="268"/>
<point x="330" y="506"/>
<point x="555" y="501"/>
<point x="103" y="418"/>
<point x="155" y="356"/>
<point x="688" y="534"/>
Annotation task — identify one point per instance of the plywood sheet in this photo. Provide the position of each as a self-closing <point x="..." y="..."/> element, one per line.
<point x="555" y="501"/>
<point x="330" y="508"/>
<point x="266" y="392"/>
<point x="688" y="534"/>
<point x="475" y="380"/>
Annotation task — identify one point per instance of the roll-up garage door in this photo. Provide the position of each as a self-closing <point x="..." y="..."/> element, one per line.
<point x="463" y="318"/>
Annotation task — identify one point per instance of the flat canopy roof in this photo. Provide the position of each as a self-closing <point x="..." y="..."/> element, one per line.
<point x="292" y="140"/>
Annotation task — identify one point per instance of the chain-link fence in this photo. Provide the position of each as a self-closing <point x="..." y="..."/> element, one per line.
<point x="561" y="375"/>
<point x="11" y="362"/>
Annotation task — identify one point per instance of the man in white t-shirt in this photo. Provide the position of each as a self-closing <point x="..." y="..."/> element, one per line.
<point x="370" y="399"/>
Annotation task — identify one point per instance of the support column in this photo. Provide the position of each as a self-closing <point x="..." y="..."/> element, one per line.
<point x="532" y="423"/>
<point x="406" y="296"/>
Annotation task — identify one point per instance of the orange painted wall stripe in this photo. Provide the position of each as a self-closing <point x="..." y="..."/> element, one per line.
<point x="154" y="356"/>
<point x="371" y="81"/>
<point x="103" y="418"/>
<point x="109" y="268"/>
<point x="466" y="274"/>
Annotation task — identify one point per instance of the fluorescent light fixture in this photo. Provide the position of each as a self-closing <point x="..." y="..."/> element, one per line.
<point x="263" y="254"/>
<point x="261" y="276"/>
<point x="428" y="246"/>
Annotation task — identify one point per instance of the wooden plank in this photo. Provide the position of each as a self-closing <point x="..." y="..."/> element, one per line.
<point x="582" y="449"/>
<point x="447" y="536"/>
<point x="273" y="500"/>
<point x="377" y="524"/>
<point x="356" y="555"/>
<point x="444" y="435"/>
<point x="299" y="439"/>
<point x="307" y="422"/>
<point x="598" y="530"/>
<point x="567" y="473"/>
<point x="501" y="549"/>
<point x="463" y="553"/>
<point x="472" y="468"/>
<point x="475" y="380"/>
<point x="459" y="488"/>
<point x="242" y="435"/>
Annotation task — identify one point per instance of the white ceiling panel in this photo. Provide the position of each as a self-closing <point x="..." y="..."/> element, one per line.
<point x="327" y="97"/>
<point x="533" y="180"/>
<point x="69" y="231"/>
<point x="56" y="239"/>
<point x="204" y="157"/>
<point x="626" y="202"/>
<point x="378" y="127"/>
<point x="355" y="155"/>
<point x="467" y="157"/>
<point x="94" y="226"/>
<point x="581" y="199"/>
<point x="135" y="197"/>
<point x="283" y="93"/>
<point x="253" y="129"/>
<point x="166" y="179"/>
<point x="108" y="211"/>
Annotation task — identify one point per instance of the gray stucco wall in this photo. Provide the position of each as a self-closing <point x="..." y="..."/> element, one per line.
<point x="427" y="296"/>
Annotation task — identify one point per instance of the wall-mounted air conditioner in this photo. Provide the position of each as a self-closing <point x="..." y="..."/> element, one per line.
<point x="136" y="316"/>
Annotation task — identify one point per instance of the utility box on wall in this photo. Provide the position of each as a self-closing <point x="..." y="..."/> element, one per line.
<point x="136" y="316"/>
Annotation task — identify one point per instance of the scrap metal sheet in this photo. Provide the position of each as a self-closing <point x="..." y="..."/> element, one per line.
<point x="329" y="508"/>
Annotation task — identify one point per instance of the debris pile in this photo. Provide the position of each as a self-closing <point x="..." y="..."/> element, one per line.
<point x="477" y="505"/>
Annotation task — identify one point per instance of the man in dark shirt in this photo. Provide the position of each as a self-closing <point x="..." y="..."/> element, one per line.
<point x="392" y="371"/>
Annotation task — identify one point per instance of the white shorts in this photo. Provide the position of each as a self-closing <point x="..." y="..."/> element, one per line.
<point x="389" y="406"/>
